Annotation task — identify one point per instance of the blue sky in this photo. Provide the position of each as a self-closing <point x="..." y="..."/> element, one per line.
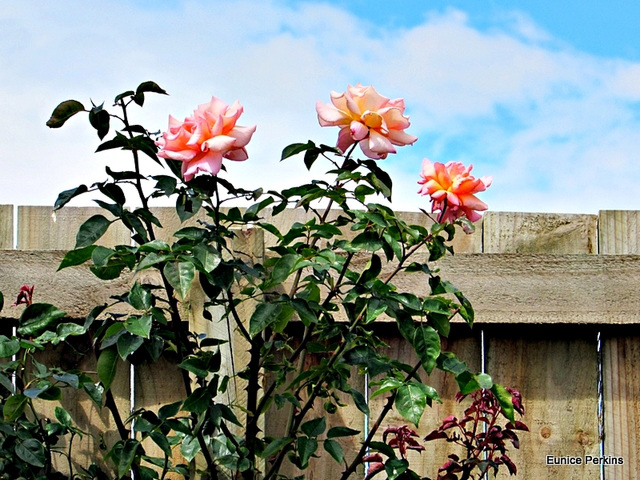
<point x="542" y="95"/>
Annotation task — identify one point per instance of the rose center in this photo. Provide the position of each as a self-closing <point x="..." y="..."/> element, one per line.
<point x="372" y="119"/>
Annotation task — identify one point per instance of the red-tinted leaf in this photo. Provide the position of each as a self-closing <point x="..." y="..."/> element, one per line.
<point x="435" y="435"/>
<point x="510" y="465"/>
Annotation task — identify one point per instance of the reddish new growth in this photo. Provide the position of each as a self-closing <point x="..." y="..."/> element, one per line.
<point x="403" y="439"/>
<point x="479" y="434"/>
<point x="25" y="295"/>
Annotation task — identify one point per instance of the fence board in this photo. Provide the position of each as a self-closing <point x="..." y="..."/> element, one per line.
<point x="554" y="368"/>
<point x="620" y="234"/>
<point x="39" y="229"/>
<point x="6" y="227"/>
<point x="512" y="232"/>
<point x="466" y="345"/>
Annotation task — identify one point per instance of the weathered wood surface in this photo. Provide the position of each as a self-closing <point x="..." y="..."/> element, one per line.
<point x="6" y="227"/>
<point x="620" y="234"/>
<point x="527" y="288"/>
<point x="554" y="367"/>
<point x="524" y="274"/>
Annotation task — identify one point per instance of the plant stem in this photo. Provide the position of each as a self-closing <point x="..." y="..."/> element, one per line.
<point x="376" y="426"/>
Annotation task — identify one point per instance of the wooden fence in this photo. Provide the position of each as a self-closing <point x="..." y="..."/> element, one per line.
<point x="557" y="300"/>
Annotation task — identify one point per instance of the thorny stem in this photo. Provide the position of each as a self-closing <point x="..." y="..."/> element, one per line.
<point x="173" y="303"/>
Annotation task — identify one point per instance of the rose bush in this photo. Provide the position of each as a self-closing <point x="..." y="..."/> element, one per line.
<point x="318" y="294"/>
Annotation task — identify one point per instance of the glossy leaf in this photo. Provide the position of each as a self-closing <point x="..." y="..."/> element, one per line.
<point x="8" y="346"/>
<point x="314" y="427"/>
<point x="263" y="316"/>
<point x="107" y="366"/>
<point x="37" y="318"/>
<point x="140" y="326"/>
<point x="63" y="112"/>
<point x="336" y="432"/>
<point x="306" y="448"/>
<point x="505" y="399"/>
<point x="426" y="342"/>
<point x="411" y="401"/>
<point x="180" y="275"/>
<point x="31" y="451"/>
<point x="91" y="230"/>
<point x="77" y="257"/>
<point x="128" y="344"/>
<point x="14" y="406"/>
<point x="296" y="148"/>
<point x="66" y="196"/>
<point x="334" y="449"/>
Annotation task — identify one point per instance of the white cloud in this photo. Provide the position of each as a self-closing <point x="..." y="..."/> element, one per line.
<point x="544" y="119"/>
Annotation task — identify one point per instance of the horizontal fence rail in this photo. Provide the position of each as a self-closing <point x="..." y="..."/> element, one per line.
<point x="557" y="301"/>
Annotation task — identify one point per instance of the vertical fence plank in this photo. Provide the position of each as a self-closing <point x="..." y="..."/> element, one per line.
<point x="619" y="233"/>
<point x="555" y="369"/>
<point x="539" y="233"/>
<point x="37" y="230"/>
<point x="6" y="227"/>
<point x="466" y="345"/>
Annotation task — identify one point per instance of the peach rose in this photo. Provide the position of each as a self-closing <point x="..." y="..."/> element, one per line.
<point x="367" y="117"/>
<point x="454" y="184"/>
<point x="202" y="140"/>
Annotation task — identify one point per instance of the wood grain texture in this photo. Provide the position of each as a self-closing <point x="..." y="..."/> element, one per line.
<point x="40" y="229"/>
<point x="6" y="227"/>
<point x="620" y="234"/>
<point x="555" y="369"/>
<point x="466" y="345"/>
<point x="507" y="232"/>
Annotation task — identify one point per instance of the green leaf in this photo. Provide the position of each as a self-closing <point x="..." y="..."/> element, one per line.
<point x="263" y="316"/>
<point x="334" y="449"/>
<point x="387" y="385"/>
<point x="361" y="403"/>
<point x="63" y="112"/>
<point x="180" y="275"/>
<point x="107" y="366"/>
<point x="68" y="329"/>
<point x="63" y="417"/>
<point x="394" y="467"/>
<point x="467" y="382"/>
<point x="67" y="195"/>
<point x="91" y="230"/>
<point x="128" y="344"/>
<point x="99" y="119"/>
<point x="306" y="448"/>
<point x="37" y="318"/>
<point x="50" y="394"/>
<point x="162" y="442"/>
<point x="314" y="427"/>
<point x="140" y="326"/>
<point x="77" y="257"/>
<point x="336" y="432"/>
<point x="14" y="406"/>
<point x="32" y="452"/>
<point x="506" y="401"/>
<point x="140" y="297"/>
<point x="426" y="342"/>
<point x="95" y="393"/>
<point x="296" y="148"/>
<point x="8" y="346"/>
<point x="187" y="207"/>
<point x="283" y="267"/>
<point x="153" y="259"/>
<point x="190" y="448"/>
<point x="275" y="446"/>
<point x="150" y="86"/>
<point x="168" y="411"/>
<point x="127" y="456"/>
<point x="208" y="256"/>
<point x="411" y="401"/>
<point x="198" y="401"/>
<point x="367" y="240"/>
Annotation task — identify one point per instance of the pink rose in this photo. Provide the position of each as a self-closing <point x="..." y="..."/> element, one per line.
<point x="367" y="117"/>
<point x="202" y="140"/>
<point x="454" y="184"/>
